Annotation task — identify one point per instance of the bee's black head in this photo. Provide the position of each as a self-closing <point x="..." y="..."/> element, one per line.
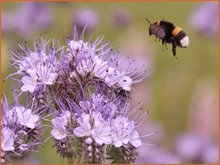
<point x="150" y="30"/>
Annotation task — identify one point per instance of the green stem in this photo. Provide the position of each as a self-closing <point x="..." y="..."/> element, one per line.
<point x="77" y="160"/>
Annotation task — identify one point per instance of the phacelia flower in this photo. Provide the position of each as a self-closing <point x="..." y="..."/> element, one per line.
<point x="29" y="16"/>
<point x="97" y="121"/>
<point x="41" y="76"/>
<point x="59" y="126"/>
<point x="201" y="149"/>
<point x="84" y="87"/>
<point x="37" y="68"/>
<point x="7" y="139"/>
<point x="86" y="17"/>
<point x="24" y="116"/>
<point x="123" y="132"/>
<point x="20" y="130"/>
<point x="97" y="60"/>
<point x="121" y="18"/>
<point x="204" y="19"/>
<point x="95" y="126"/>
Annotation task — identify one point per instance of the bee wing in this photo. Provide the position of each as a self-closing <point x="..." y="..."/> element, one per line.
<point x="159" y="32"/>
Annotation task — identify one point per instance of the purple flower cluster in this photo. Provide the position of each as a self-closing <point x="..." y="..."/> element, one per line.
<point x="86" y="16"/>
<point x="192" y="148"/>
<point x="21" y="130"/>
<point x="204" y="19"/>
<point x="27" y="18"/>
<point x="85" y="87"/>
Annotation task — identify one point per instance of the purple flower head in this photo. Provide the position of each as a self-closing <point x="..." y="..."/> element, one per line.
<point x="205" y="19"/>
<point x="121" y="18"/>
<point x="189" y="146"/>
<point x="96" y="60"/>
<point x="7" y="139"/>
<point x="20" y="130"/>
<point x="96" y="121"/>
<point x="99" y="104"/>
<point x="86" y="16"/>
<point x="30" y="16"/>
<point x="85" y="90"/>
<point x="98" y="109"/>
<point x="94" y="107"/>
<point x="37" y="68"/>
<point x="127" y="71"/>
<point x="65" y="143"/>
<point x="210" y="154"/>
<point x="94" y="126"/>
<point x="60" y="131"/>
<point x="123" y="132"/>
<point x="195" y="148"/>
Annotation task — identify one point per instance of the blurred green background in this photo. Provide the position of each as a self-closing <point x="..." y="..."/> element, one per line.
<point x="168" y="92"/>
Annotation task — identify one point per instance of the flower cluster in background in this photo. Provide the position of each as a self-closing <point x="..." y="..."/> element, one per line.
<point x="30" y="16"/>
<point x="205" y="19"/>
<point x="84" y="90"/>
<point x="86" y="16"/>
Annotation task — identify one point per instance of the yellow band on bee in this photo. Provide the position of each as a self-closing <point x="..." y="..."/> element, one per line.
<point x="158" y="22"/>
<point x="176" y="30"/>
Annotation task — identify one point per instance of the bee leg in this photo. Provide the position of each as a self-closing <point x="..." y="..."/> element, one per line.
<point x="156" y="39"/>
<point x="174" y="47"/>
<point x="163" y="43"/>
<point x="166" y="46"/>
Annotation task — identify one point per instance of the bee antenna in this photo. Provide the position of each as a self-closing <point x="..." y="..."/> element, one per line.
<point x="148" y="21"/>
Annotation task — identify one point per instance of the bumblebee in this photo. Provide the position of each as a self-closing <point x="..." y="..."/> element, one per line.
<point x="169" y="34"/>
